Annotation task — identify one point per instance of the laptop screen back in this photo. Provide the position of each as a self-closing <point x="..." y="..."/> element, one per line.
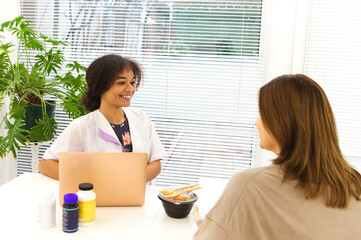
<point x="119" y="179"/>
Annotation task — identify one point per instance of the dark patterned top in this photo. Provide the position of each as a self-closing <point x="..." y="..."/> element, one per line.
<point x="123" y="133"/>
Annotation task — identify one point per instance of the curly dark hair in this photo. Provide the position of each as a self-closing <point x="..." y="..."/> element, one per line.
<point x="101" y="74"/>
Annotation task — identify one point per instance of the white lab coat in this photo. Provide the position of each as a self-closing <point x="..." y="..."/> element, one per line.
<point x="93" y="133"/>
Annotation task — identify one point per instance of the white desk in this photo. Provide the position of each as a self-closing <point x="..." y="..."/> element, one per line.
<point x="18" y="211"/>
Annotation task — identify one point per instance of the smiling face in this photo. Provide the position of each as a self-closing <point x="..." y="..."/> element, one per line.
<point x="121" y="91"/>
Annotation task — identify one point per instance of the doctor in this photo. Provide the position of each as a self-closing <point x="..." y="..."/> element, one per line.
<point x="110" y="126"/>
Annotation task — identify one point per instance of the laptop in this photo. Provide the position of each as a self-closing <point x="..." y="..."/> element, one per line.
<point x="119" y="179"/>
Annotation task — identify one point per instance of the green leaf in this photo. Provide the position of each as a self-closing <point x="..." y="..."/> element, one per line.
<point x="3" y="149"/>
<point x="50" y="61"/>
<point x="4" y="84"/>
<point x="76" y="66"/>
<point x="52" y="41"/>
<point x="44" y="130"/>
<point x="20" y="75"/>
<point x="71" y="82"/>
<point x="4" y="64"/>
<point x="33" y="43"/>
<point x="9" y="24"/>
<point x="36" y="78"/>
<point x="17" y="109"/>
<point x="71" y="105"/>
<point x="1" y="101"/>
<point x="50" y="127"/>
<point x="15" y="135"/>
<point x="5" y="48"/>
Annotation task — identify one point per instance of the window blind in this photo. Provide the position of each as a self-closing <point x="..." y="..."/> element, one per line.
<point x="203" y="63"/>
<point x="333" y="59"/>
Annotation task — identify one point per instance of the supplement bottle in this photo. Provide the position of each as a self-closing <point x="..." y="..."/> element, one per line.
<point x="46" y="210"/>
<point x="87" y="206"/>
<point x="70" y="213"/>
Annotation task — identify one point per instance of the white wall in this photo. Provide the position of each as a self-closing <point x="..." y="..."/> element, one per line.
<point x="8" y="11"/>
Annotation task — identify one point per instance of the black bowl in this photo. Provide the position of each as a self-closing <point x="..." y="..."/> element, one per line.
<point x="177" y="209"/>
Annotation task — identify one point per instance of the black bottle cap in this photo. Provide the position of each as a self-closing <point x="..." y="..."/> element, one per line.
<point x="85" y="186"/>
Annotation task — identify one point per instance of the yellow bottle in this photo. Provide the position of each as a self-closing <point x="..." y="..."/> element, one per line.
<point x="87" y="205"/>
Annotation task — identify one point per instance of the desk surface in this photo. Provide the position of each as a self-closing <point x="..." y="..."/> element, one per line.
<point x="18" y="211"/>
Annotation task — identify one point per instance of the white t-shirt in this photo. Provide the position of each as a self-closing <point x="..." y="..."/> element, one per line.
<point x="93" y="133"/>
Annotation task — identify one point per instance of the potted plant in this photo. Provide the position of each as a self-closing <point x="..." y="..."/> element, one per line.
<point x="30" y="80"/>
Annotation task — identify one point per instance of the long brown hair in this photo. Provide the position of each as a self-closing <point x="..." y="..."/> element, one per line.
<point x="296" y="111"/>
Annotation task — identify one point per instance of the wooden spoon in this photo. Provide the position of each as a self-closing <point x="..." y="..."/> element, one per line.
<point x="169" y="191"/>
<point x="180" y="192"/>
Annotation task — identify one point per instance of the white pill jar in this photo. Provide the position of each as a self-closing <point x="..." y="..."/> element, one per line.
<point x="47" y="209"/>
<point x="87" y="206"/>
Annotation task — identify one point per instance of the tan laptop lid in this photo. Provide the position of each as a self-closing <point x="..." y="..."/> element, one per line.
<point x="119" y="178"/>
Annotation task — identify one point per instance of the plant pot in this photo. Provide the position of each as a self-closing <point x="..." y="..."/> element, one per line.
<point x="35" y="112"/>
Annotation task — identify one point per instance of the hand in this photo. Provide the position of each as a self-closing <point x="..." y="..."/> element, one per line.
<point x="196" y="214"/>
